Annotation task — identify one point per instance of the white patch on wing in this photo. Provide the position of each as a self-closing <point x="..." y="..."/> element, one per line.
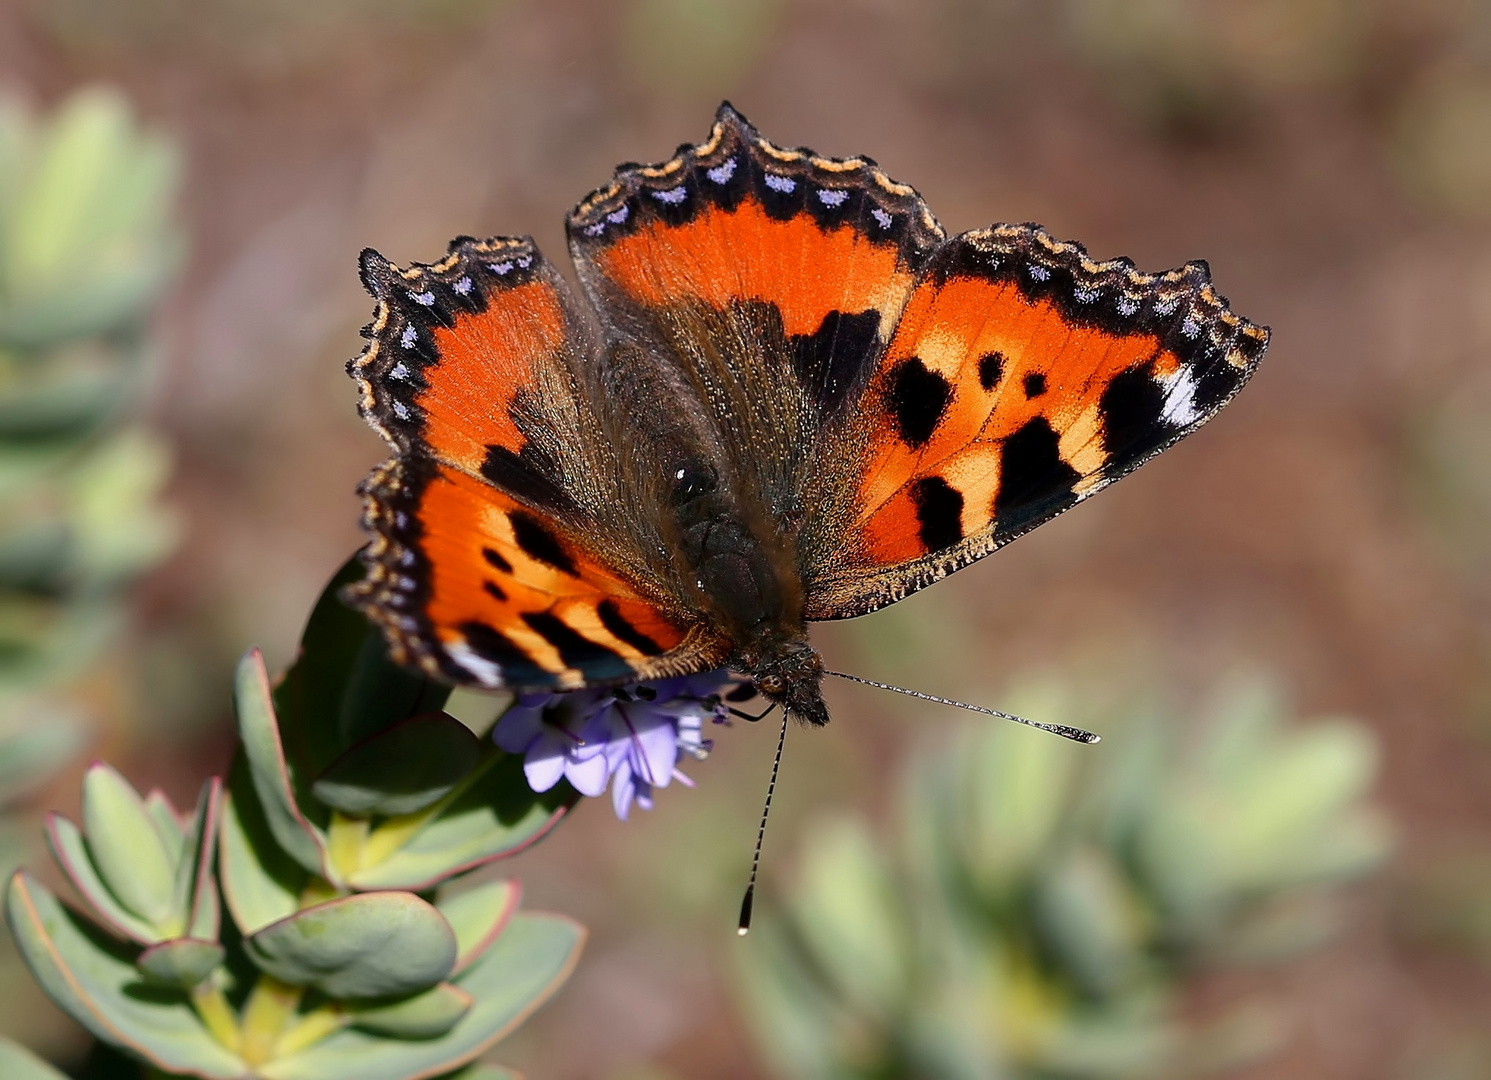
<point x="483" y="670"/>
<point x="1180" y="397"/>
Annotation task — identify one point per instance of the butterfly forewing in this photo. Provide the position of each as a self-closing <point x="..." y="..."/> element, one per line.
<point x="766" y="281"/>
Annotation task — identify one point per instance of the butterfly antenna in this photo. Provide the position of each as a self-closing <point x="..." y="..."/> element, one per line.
<point x="748" y="901"/>
<point x="1074" y="733"/>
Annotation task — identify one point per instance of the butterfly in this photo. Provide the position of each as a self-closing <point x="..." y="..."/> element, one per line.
<point x="783" y="394"/>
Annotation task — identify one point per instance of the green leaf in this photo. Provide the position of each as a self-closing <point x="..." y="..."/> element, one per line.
<point x="193" y="885"/>
<point x="200" y="906"/>
<point x="482" y="1072"/>
<point x="495" y="814"/>
<point x="370" y="945"/>
<point x="795" y="1019"/>
<point x="89" y="241"/>
<point x="342" y="687"/>
<point x="423" y="1016"/>
<point x="259" y="728"/>
<point x="519" y="973"/>
<point x="18" y="1063"/>
<point x="478" y="916"/>
<point x="33" y="749"/>
<point x="261" y="883"/>
<point x="378" y="693"/>
<point x="1090" y="919"/>
<point x="402" y="769"/>
<point x="127" y="849"/>
<point x="166" y="819"/>
<point x="93" y="979"/>
<point x="71" y="852"/>
<point x="181" y="962"/>
<point x="1013" y="790"/>
<point x="850" y="916"/>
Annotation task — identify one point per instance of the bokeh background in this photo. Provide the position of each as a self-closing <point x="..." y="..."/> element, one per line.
<point x="1330" y="158"/>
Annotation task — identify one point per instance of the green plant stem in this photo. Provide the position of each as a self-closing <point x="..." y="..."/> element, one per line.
<point x="310" y="1029"/>
<point x="217" y="1015"/>
<point x="346" y="839"/>
<point x="270" y="1005"/>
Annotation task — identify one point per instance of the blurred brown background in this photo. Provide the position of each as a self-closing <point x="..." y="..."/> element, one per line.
<point x="1330" y="158"/>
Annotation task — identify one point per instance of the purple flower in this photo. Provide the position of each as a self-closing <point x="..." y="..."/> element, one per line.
<point x="628" y="738"/>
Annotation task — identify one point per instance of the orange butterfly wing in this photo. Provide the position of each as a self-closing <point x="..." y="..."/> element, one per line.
<point x="477" y="570"/>
<point x="1021" y="378"/>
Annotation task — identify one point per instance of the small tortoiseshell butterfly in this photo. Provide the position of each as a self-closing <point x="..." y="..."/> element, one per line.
<point x="786" y="395"/>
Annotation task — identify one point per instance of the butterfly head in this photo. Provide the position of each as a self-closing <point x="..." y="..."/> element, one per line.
<point x="788" y="672"/>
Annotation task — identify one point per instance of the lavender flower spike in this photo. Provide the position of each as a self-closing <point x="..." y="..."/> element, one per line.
<point x="628" y="738"/>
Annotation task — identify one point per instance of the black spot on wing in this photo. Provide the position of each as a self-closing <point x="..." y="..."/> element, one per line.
<point x="576" y="650"/>
<point x="528" y="475"/>
<point x="495" y="559"/>
<point x="916" y="399"/>
<point x="939" y="512"/>
<point x="536" y="539"/>
<point x="829" y="360"/>
<point x="1034" y="384"/>
<point x="518" y="669"/>
<point x="1216" y="381"/>
<point x="990" y="370"/>
<point x="1131" y="409"/>
<point x="492" y="589"/>
<point x="614" y="621"/>
<point x="1034" y="483"/>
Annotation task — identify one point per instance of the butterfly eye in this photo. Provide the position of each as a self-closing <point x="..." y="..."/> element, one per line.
<point x="770" y="684"/>
<point x="692" y="479"/>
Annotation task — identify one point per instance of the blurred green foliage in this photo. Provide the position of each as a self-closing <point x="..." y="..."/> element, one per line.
<point x="1042" y="904"/>
<point x="345" y="954"/>
<point x="87" y="244"/>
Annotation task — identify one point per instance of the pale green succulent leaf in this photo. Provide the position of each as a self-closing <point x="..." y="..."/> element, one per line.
<point x="202" y="907"/>
<point x="401" y="769"/>
<point x="31" y="752"/>
<point x="70" y="391"/>
<point x="258" y="726"/>
<point x="114" y="508"/>
<point x="93" y="979"/>
<point x="18" y="1063"/>
<point x="478" y="915"/>
<point x="1090" y="919"/>
<point x="72" y="855"/>
<point x="1288" y="802"/>
<point x="494" y="814"/>
<point x="850" y="916"/>
<point x="369" y="945"/>
<point x="166" y="819"/>
<point x="484" y="1072"/>
<point x="514" y="977"/>
<point x="794" y="1018"/>
<point x="181" y="962"/>
<point x="131" y="856"/>
<point x="1014" y="790"/>
<point x="87" y="229"/>
<point x="260" y="883"/>
<point x="422" y="1016"/>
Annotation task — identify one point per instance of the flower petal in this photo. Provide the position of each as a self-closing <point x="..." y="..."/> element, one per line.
<point x="518" y="727"/>
<point x="588" y="775"/>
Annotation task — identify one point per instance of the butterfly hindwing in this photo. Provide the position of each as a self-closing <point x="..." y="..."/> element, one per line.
<point x="474" y="375"/>
<point x="1021" y="378"/>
